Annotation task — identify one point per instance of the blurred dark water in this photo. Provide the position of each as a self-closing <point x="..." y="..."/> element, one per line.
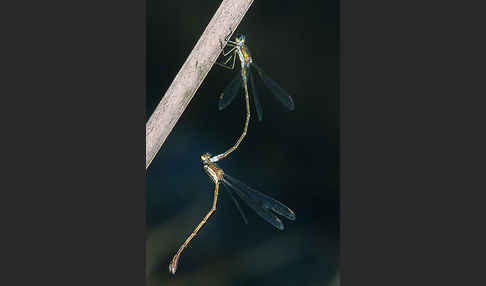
<point x="291" y="156"/>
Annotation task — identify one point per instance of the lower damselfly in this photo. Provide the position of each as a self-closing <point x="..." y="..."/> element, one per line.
<point x="263" y="205"/>
<point x="242" y="81"/>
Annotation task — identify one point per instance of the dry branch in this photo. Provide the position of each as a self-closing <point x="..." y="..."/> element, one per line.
<point x="192" y="73"/>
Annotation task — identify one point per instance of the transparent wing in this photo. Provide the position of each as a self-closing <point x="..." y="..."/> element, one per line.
<point x="260" y="203"/>
<point x="230" y="92"/>
<point x="256" y="99"/>
<point x="282" y="96"/>
<point x="230" y="191"/>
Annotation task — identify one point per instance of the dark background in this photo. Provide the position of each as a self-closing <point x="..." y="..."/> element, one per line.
<point x="412" y="152"/>
<point x="291" y="156"/>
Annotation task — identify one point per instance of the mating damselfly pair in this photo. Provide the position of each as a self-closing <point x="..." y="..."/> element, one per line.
<point x="265" y="206"/>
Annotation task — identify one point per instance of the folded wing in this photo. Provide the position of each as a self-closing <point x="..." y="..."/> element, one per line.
<point x="262" y="204"/>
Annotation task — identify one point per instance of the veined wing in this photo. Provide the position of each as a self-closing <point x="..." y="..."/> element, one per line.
<point x="230" y="191"/>
<point x="282" y="96"/>
<point x="260" y="203"/>
<point x="230" y="92"/>
<point x="256" y="99"/>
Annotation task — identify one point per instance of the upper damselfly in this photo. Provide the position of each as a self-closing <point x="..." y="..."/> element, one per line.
<point x="248" y="67"/>
<point x="242" y="81"/>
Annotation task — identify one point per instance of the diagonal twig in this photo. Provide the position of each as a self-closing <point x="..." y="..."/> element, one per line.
<point x="192" y="73"/>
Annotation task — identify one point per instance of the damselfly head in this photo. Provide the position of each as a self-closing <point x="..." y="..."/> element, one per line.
<point x="205" y="158"/>
<point x="240" y="39"/>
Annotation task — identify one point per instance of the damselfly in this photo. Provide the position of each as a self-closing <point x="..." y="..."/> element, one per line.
<point x="248" y="67"/>
<point x="262" y="204"/>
